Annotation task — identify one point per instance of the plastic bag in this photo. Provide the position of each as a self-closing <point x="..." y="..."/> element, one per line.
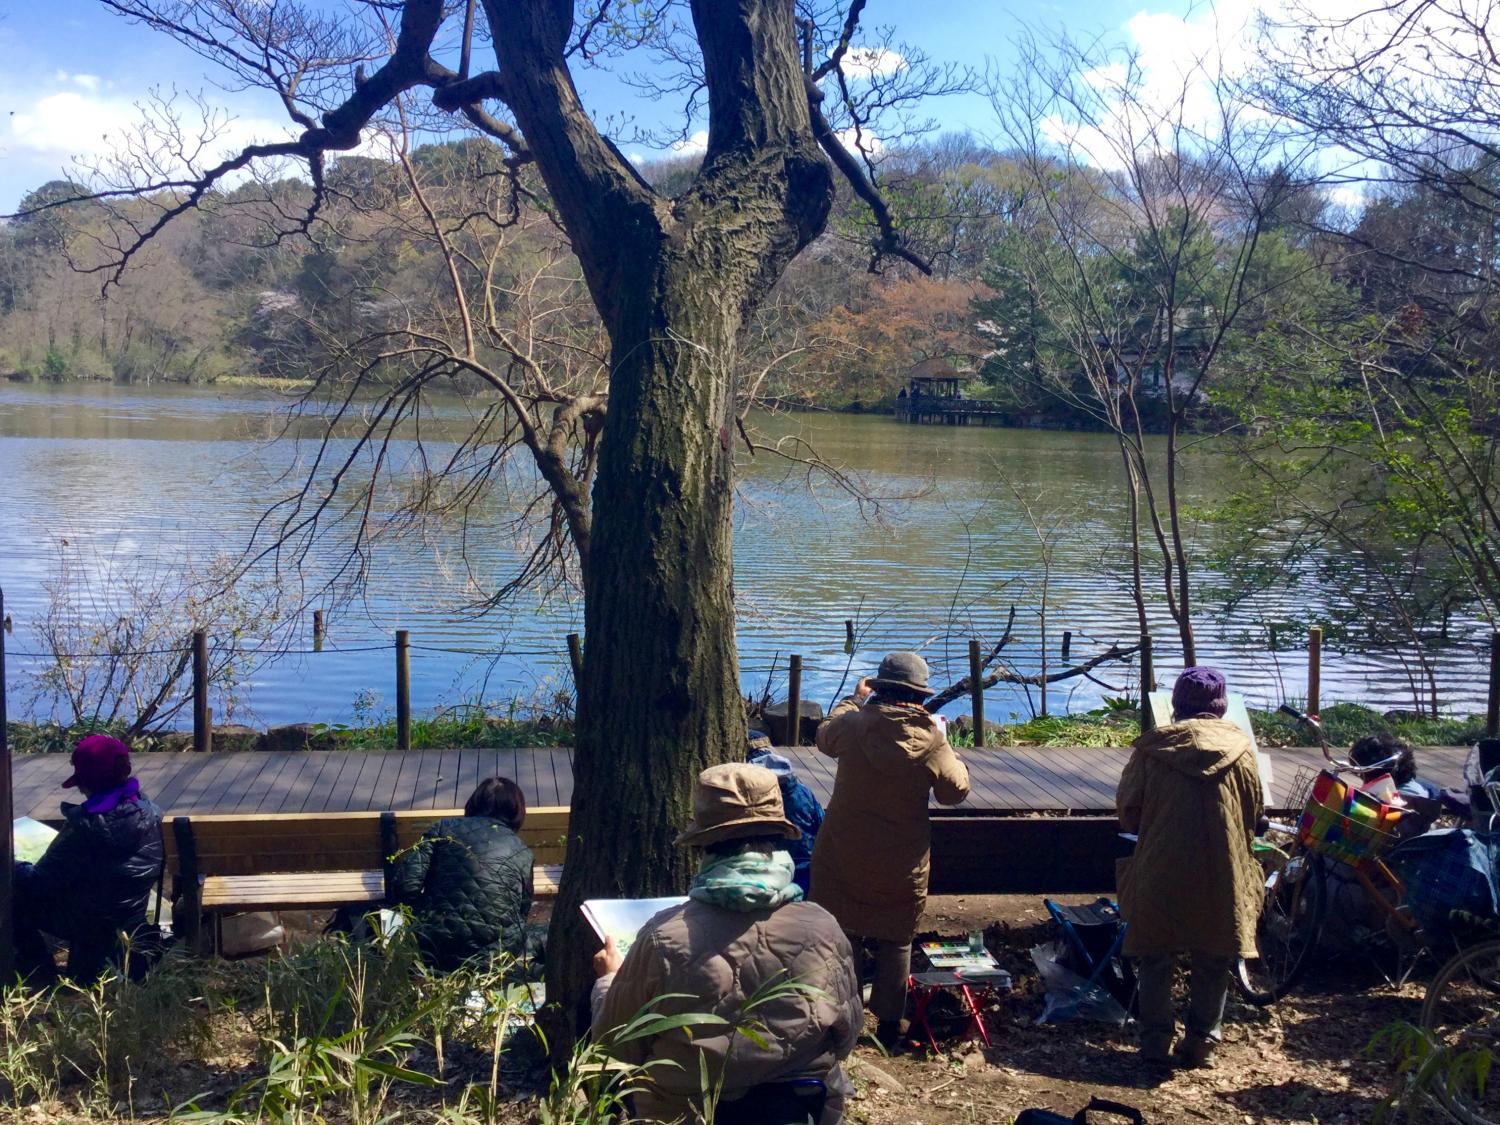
<point x="1070" y="996"/>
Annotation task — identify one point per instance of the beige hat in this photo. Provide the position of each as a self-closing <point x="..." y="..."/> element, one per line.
<point x="902" y="670"/>
<point x="736" y="800"/>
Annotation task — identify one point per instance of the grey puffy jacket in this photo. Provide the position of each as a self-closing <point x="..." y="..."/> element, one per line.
<point x="468" y="884"/>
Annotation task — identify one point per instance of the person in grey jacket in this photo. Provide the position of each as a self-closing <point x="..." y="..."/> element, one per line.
<point x="743" y="933"/>
<point x="467" y="881"/>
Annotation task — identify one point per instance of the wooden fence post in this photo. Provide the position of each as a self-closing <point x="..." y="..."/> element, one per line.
<point x="403" y="689"/>
<point x="575" y="658"/>
<point x="1067" y="645"/>
<point x="1148" y="683"/>
<point x="794" y="701"/>
<point x="7" y="814"/>
<point x="849" y="636"/>
<point x="317" y="630"/>
<point x="1314" y="670"/>
<point x="976" y="691"/>
<point x="203" y="735"/>
<point x="1492" y="714"/>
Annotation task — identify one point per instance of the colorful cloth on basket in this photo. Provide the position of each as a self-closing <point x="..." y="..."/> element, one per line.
<point x="748" y="881"/>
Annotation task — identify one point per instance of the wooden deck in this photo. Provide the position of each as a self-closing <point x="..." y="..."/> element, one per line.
<point x="1009" y="781"/>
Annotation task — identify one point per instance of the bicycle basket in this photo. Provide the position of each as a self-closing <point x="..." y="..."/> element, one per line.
<point x="1344" y="824"/>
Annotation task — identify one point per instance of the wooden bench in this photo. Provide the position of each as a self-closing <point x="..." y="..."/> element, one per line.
<point x="231" y="863"/>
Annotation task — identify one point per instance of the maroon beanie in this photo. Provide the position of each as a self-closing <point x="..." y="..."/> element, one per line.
<point x="1199" y="692"/>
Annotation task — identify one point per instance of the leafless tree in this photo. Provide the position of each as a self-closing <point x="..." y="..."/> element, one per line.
<point x="673" y="281"/>
<point x="1140" y="243"/>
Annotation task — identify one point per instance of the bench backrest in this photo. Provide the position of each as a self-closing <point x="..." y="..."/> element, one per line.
<point x="262" y="844"/>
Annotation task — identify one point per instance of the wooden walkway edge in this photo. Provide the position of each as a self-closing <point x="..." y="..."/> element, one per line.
<point x="1005" y="782"/>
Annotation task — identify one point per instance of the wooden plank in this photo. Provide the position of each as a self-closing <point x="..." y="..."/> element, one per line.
<point x="358" y="782"/>
<point x="434" y="775"/>
<point x="178" y="780"/>
<point x="1011" y="786"/>
<point x="565" y="781"/>
<point x="1064" y="775"/>
<point x="296" y="767"/>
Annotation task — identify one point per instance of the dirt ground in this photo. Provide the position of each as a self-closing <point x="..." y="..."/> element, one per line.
<point x="1301" y="1061"/>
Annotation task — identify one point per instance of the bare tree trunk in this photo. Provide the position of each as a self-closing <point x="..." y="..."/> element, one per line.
<point x="660" y="697"/>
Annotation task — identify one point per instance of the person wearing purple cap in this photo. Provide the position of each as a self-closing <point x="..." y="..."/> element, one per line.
<point x="96" y="875"/>
<point x="1192" y="793"/>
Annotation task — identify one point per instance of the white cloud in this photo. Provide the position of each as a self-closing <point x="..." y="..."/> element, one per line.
<point x="872" y="62"/>
<point x="695" y="144"/>
<point x="70" y="124"/>
<point x="864" y="142"/>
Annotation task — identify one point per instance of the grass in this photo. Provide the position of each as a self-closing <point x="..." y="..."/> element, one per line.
<point x="1344" y="723"/>
<point x="333" y="1031"/>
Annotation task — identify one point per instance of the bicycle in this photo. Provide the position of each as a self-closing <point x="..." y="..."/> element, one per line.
<point x="1461" y="1018"/>
<point x="1295" y="902"/>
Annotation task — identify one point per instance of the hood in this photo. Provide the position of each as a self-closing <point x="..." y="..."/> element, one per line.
<point x="1197" y="747"/>
<point x="904" y="732"/>
<point x="776" y="763"/>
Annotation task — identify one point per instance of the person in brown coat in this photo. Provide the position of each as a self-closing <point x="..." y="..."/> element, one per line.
<point x="870" y="864"/>
<point x="744" y="930"/>
<point x="1192" y="791"/>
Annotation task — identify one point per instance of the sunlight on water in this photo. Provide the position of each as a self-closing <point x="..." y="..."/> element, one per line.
<point x="164" y="475"/>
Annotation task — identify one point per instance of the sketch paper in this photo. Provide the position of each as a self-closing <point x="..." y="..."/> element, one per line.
<point x="622" y="918"/>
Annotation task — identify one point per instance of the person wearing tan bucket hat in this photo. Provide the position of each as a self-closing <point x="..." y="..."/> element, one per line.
<point x="744" y="930"/>
<point x="871" y="861"/>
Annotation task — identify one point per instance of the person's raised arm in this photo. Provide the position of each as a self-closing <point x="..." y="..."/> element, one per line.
<point x="827" y="738"/>
<point x="950" y="777"/>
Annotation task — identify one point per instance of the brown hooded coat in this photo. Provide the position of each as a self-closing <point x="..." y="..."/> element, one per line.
<point x="1192" y="792"/>
<point x="871" y="860"/>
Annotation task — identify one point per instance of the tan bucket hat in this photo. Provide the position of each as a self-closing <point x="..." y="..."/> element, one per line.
<point x="733" y="801"/>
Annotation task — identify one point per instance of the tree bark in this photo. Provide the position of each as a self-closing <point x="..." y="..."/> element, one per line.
<point x="674" y="281"/>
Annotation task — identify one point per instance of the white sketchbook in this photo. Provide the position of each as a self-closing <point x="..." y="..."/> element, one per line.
<point x="622" y="918"/>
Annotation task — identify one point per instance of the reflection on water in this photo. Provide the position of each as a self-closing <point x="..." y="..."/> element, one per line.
<point x="165" y="475"/>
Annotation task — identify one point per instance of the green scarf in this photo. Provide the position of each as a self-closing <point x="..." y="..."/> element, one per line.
<point x="748" y="881"/>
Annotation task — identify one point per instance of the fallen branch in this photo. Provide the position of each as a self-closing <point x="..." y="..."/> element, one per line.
<point x="961" y="687"/>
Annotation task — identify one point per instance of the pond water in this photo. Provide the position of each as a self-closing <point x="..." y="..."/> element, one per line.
<point x="150" y="480"/>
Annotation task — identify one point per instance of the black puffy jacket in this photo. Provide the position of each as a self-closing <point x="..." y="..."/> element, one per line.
<point x="468" y="884"/>
<point x="96" y="875"/>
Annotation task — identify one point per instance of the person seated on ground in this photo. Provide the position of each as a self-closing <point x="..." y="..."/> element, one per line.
<point x="743" y="931"/>
<point x="801" y="806"/>
<point x="1398" y="759"/>
<point x="95" y="878"/>
<point x="871" y="861"/>
<point x="467" y="881"/>
<point x="1192" y="792"/>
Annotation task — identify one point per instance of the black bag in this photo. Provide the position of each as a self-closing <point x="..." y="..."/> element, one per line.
<point x="1096" y="1105"/>
<point x="795" y="1102"/>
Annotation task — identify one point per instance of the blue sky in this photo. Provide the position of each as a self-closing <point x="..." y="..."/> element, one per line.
<point x="71" y="72"/>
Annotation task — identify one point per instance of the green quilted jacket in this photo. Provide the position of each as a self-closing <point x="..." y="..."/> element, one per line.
<point x="468" y="884"/>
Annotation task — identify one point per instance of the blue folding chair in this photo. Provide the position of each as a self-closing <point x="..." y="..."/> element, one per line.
<point x="1092" y="936"/>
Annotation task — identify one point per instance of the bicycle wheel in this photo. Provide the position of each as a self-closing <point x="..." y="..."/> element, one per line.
<point x="1461" y="1015"/>
<point x="1291" y="918"/>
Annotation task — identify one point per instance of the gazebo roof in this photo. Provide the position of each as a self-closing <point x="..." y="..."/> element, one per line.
<point x="936" y="370"/>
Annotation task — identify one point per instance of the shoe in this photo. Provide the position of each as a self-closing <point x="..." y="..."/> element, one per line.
<point x="1195" y="1054"/>
<point x="892" y="1034"/>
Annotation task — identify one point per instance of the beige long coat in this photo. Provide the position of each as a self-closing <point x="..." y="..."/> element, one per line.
<point x="873" y="853"/>
<point x="1192" y="792"/>
<point x="705" y="958"/>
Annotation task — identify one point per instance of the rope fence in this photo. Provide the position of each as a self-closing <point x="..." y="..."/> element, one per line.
<point x="983" y="669"/>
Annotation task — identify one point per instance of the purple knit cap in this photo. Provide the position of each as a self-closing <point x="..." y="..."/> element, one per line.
<point x="1199" y="692"/>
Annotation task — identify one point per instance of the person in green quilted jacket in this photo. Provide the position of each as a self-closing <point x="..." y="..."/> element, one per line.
<point x="467" y="881"/>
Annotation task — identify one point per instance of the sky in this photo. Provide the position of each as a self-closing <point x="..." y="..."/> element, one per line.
<point x="72" y="73"/>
